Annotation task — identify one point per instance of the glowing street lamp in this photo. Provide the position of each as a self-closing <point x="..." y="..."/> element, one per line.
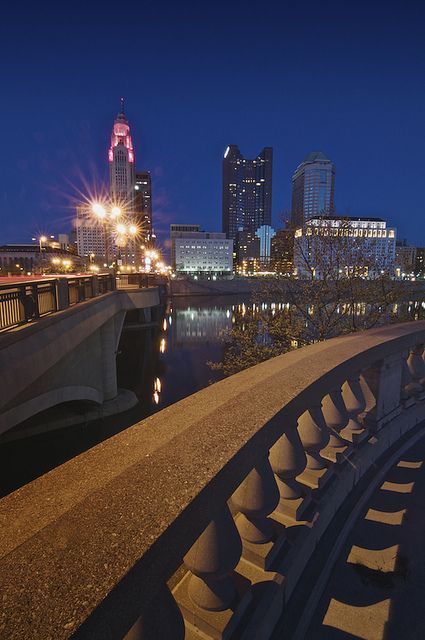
<point x="41" y="240"/>
<point x="98" y="210"/>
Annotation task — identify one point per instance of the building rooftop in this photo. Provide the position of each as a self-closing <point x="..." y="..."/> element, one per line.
<point x="357" y="218"/>
<point x="314" y="156"/>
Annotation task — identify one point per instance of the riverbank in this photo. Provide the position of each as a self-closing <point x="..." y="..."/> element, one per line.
<point x="248" y="286"/>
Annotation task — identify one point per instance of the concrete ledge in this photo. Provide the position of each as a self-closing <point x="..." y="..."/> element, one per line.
<point x="79" y="543"/>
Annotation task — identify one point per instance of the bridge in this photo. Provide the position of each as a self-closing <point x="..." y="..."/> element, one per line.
<point x="222" y="515"/>
<point x="58" y="343"/>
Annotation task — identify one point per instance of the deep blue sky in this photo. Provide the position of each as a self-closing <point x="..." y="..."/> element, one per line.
<point x="346" y="78"/>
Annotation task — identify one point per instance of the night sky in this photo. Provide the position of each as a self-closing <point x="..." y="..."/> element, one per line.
<point x="346" y="78"/>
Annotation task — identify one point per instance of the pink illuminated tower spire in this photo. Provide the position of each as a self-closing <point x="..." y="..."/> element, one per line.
<point x="121" y="161"/>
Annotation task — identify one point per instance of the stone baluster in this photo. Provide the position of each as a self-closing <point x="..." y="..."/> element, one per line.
<point x="211" y="561"/>
<point x="256" y="498"/>
<point x="288" y="460"/>
<point x="355" y="404"/>
<point x="314" y="436"/>
<point x="416" y="364"/>
<point x="162" y="619"/>
<point x="384" y="381"/>
<point x="336" y="418"/>
<point x="410" y="388"/>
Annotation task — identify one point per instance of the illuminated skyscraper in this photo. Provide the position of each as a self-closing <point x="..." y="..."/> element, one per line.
<point x="121" y="162"/>
<point x="313" y="186"/>
<point x="143" y="205"/>
<point x="247" y="191"/>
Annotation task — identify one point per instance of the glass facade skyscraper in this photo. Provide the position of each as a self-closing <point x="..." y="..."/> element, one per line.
<point x="313" y="185"/>
<point x="143" y="205"/>
<point x="247" y="191"/>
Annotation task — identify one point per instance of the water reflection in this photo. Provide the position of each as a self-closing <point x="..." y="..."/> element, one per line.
<point x="197" y="325"/>
<point x="161" y="362"/>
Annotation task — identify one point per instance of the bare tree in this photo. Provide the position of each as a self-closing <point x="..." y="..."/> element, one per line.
<point x="340" y="287"/>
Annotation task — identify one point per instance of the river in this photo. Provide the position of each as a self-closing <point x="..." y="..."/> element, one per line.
<point x="161" y="363"/>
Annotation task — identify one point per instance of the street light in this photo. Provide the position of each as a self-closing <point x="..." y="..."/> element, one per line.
<point x="99" y="210"/>
<point x="124" y="233"/>
<point x="41" y="240"/>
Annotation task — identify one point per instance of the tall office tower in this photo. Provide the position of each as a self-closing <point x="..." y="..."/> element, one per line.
<point x="313" y="188"/>
<point x="121" y="162"/>
<point x="143" y="206"/>
<point x="247" y="191"/>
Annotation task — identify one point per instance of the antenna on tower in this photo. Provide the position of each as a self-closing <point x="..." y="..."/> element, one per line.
<point x="122" y="105"/>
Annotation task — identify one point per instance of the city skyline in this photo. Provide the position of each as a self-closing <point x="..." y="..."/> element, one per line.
<point x="365" y="114"/>
<point x="247" y="190"/>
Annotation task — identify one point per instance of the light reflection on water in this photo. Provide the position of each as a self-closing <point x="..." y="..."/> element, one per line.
<point x="193" y="329"/>
<point x="161" y="364"/>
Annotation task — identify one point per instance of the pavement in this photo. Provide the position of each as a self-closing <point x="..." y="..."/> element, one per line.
<point x="377" y="588"/>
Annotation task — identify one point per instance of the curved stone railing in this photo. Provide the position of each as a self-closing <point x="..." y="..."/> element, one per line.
<point x="202" y="520"/>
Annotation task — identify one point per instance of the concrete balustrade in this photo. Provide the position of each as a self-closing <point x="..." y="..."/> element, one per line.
<point x="416" y="364"/>
<point x="314" y="437"/>
<point x="355" y="404"/>
<point x="336" y="418"/>
<point x="288" y="461"/>
<point x="211" y="560"/>
<point x="255" y="499"/>
<point x="150" y="506"/>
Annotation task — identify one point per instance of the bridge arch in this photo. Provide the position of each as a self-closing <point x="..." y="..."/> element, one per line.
<point x="49" y="399"/>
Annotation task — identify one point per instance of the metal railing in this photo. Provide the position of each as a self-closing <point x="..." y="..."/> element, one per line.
<point x="23" y="302"/>
<point x="80" y="289"/>
<point x="136" y="280"/>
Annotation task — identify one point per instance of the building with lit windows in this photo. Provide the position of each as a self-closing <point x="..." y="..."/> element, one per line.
<point x="363" y="246"/>
<point x="143" y="206"/>
<point x="53" y="255"/>
<point x="405" y="260"/>
<point x="420" y="262"/>
<point x="180" y="231"/>
<point x="118" y="238"/>
<point x="201" y="253"/>
<point x="91" y="236"/>
<point x="121" y="162"/>
<point x="247" y="250"/>
<point x="247" y="191"/>
<point x="313" y="185"/>
<point x="282" y="252"/>
<point x="265" y="233"/>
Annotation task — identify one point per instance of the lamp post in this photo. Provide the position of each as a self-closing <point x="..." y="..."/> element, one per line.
<point x="124" y="234"/>
<point x="102" y="217"/>
<point x="41" y="240"/>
